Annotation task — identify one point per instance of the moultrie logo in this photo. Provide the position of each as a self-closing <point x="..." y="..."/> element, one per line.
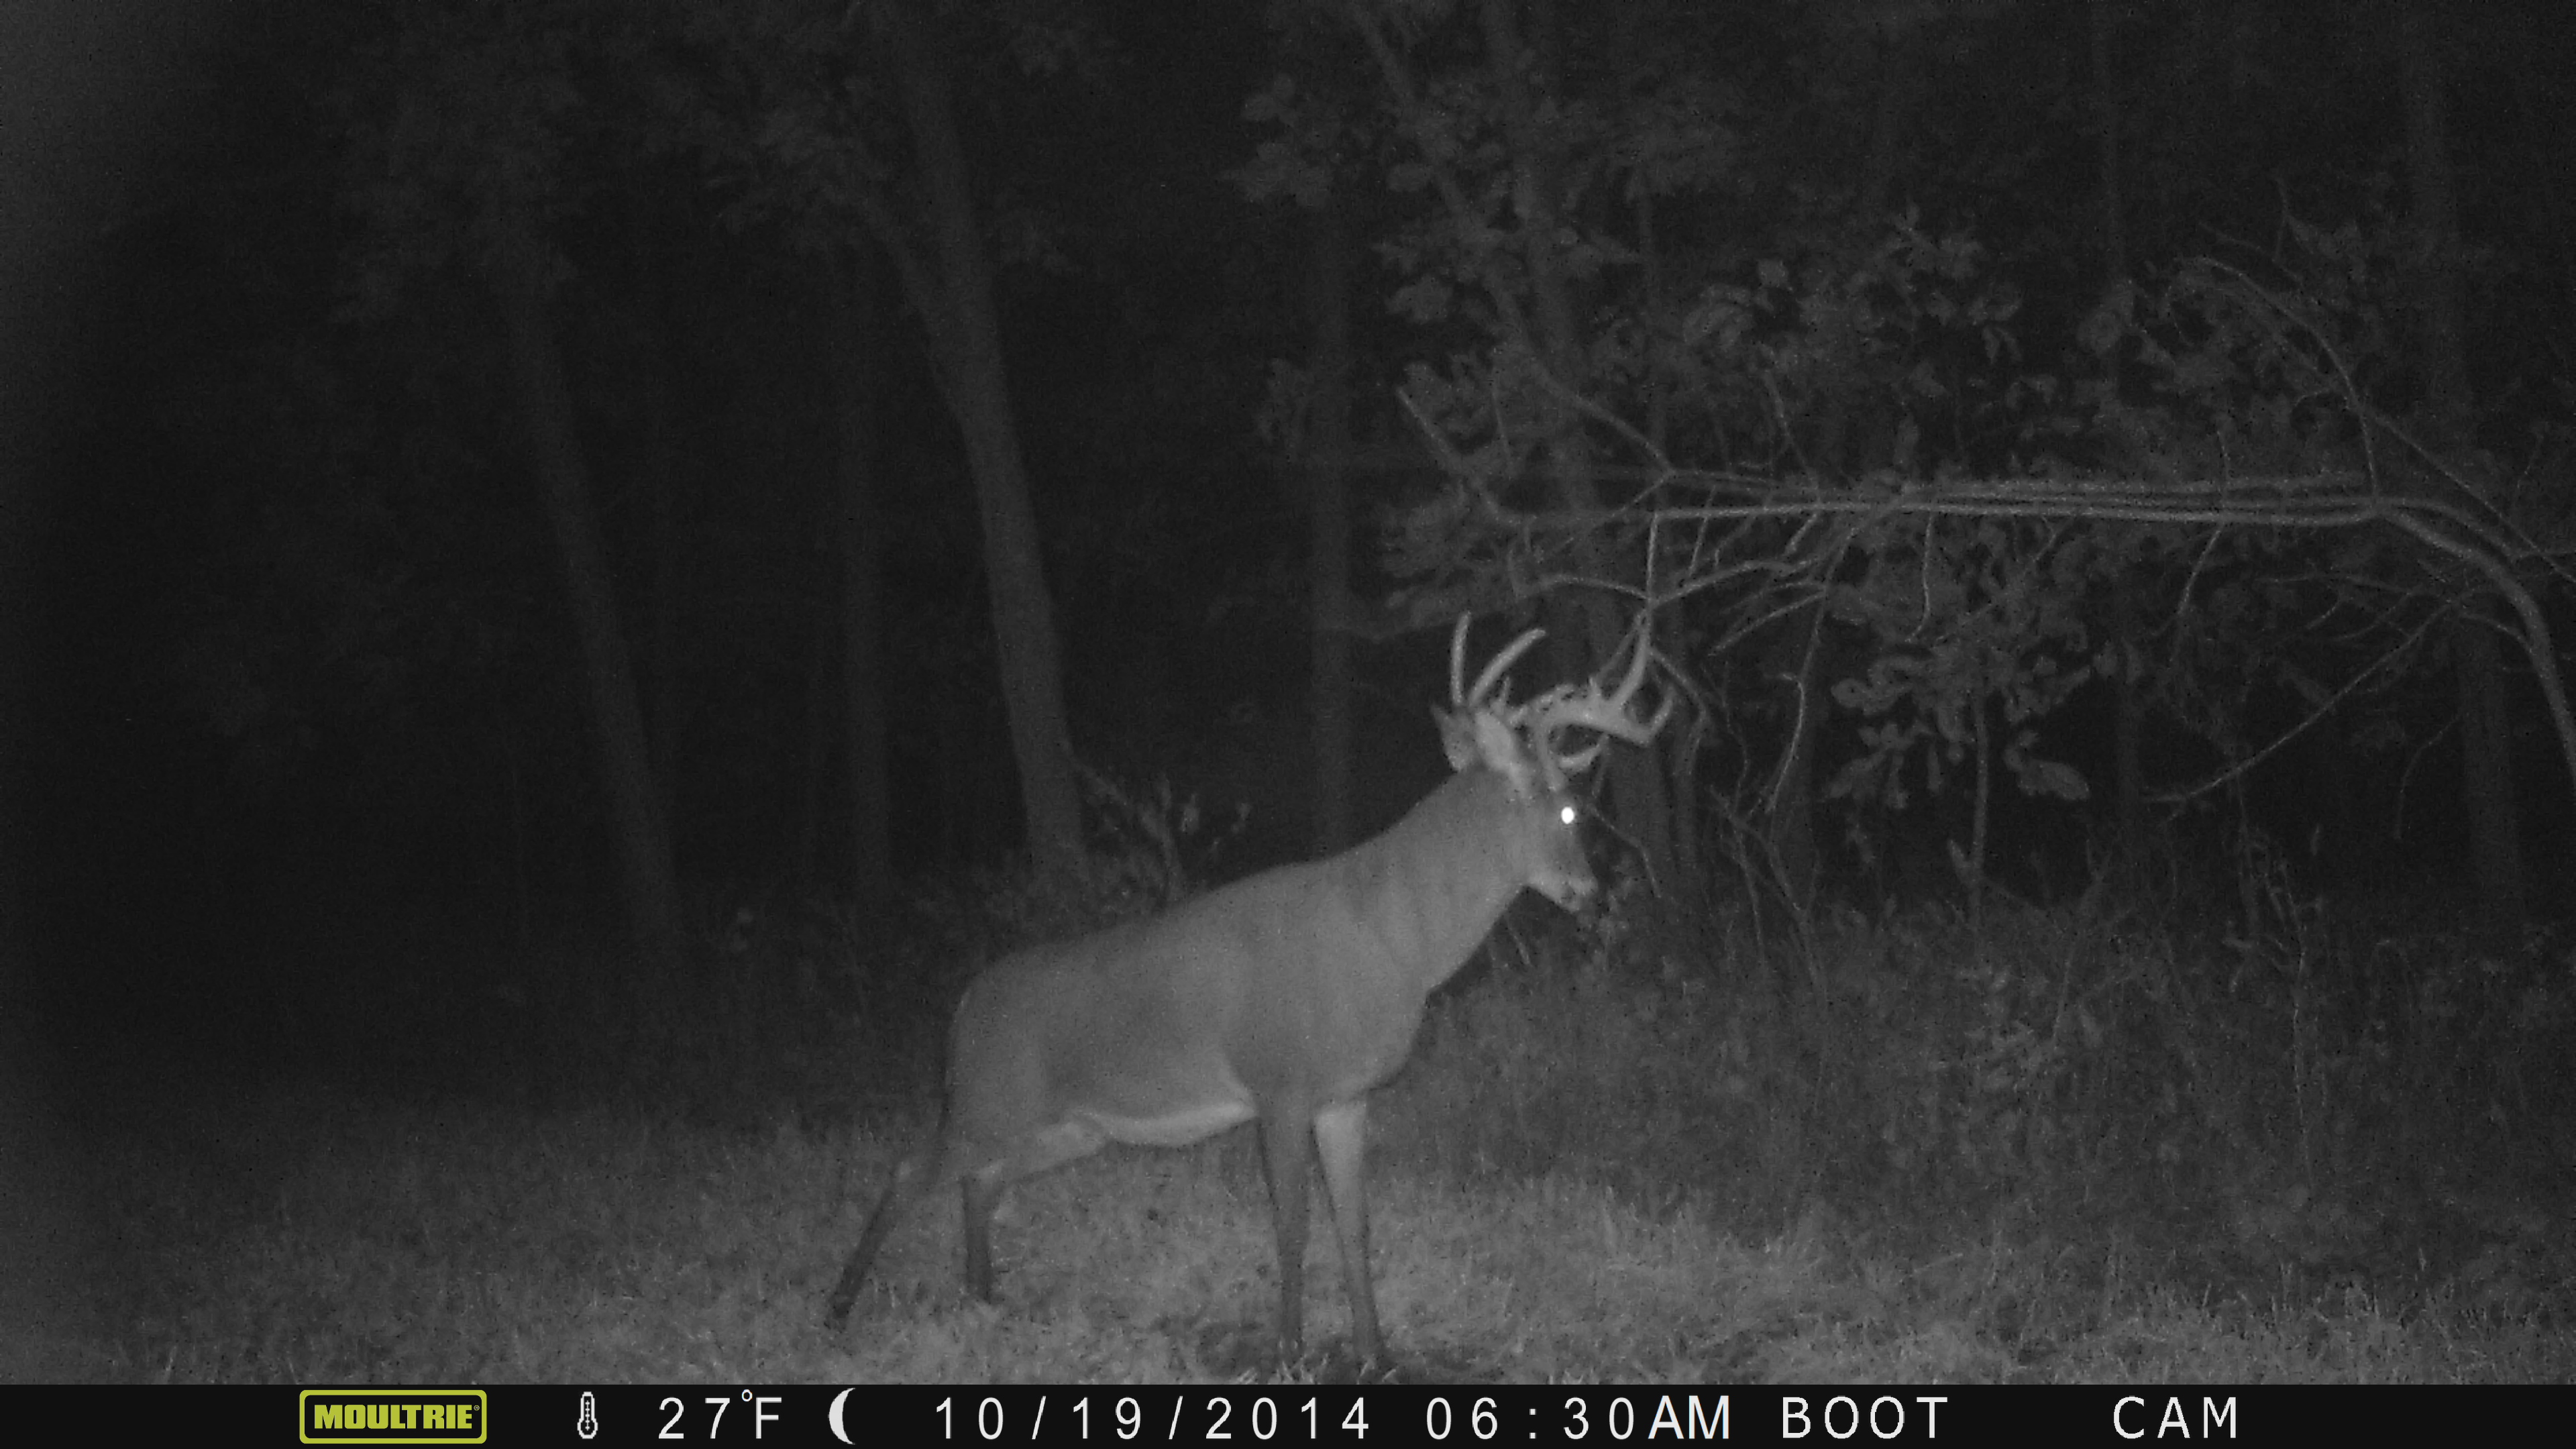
<point x="392" y="1416"/>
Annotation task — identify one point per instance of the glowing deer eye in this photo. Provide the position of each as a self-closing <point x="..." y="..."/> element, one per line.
<point x="1565" y="814"/>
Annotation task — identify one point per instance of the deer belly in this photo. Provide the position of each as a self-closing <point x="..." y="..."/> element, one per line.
<point x="1176" y="1125"/>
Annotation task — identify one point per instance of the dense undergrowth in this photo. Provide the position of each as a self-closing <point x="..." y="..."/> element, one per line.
<point x="2296" y="1102"/>
<point x="2089" y="1140"/>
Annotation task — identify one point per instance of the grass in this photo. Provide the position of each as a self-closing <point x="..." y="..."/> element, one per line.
<point x="405" y="1247"/>
<point x="2050" y="1153"/>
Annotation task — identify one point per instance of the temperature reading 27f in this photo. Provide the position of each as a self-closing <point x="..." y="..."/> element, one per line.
<point x="764" y="1412"/>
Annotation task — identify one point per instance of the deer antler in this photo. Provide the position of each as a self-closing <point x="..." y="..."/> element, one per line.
<point x="1566" y="706"/>
<point x="1466" y="700"/>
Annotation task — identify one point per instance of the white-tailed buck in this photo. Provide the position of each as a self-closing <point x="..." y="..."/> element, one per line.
<point x="1283" y="997"/>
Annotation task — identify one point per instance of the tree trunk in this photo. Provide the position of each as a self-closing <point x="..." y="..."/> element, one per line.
<point x="2128" y="616"/>
<point x="1636" y="779"/>
<point x="2106" y="144"/>
<point x="856" y="344"/>
<point x="1853" y="436"/>
<point x="966" y="339"/>
<point x="660" y="485"/>
<point x="1328" y="451"/>
<point x="1681" y="784"/>
<point x="643" y="845"/>
<point x="2486" y="765"/>
<point x="1852" y="431"/>
<point x="804" y="804"/>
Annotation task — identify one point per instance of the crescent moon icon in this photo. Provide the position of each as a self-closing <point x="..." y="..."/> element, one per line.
<point x="837" y="1431"/>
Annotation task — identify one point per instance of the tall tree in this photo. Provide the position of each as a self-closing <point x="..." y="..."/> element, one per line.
<point x="853" y="117"/>
<point x="2127" y="621"/>
<point x="1524" y="76"/>
<point x="642" y="836"/>
<point x="952" y="293"/>
<point x="467" y="140"/>
<point x="1328" y="503"/>
<point x="856" y="347"/>
<point x="1526" y="99"/>
<point x="2486" y="737"/>
<point x="1877" y="50"/>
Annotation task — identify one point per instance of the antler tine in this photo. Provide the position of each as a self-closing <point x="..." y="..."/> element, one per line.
<point x="1475" y="698"/>
<point x="1588" y="707"/>
<point x="1626" y="693"/>
<point x="1458" y="663"/>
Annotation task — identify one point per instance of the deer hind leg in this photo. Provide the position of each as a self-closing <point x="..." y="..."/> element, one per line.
<point x="984" y="1187"/>
<point x="985" y="1172"/>
<point x="909" y="1182"/>
<point x="981" y="1195"/>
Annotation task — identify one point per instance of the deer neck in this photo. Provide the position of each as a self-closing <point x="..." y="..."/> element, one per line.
<point x="1437" y="880"/>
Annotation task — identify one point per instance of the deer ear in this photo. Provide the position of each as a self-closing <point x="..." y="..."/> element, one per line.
<point x="1503" y="751"/>
<point x="1457" y="736"/>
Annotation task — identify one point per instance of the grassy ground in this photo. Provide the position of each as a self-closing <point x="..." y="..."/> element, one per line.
<point x="1887" y="1179"/>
